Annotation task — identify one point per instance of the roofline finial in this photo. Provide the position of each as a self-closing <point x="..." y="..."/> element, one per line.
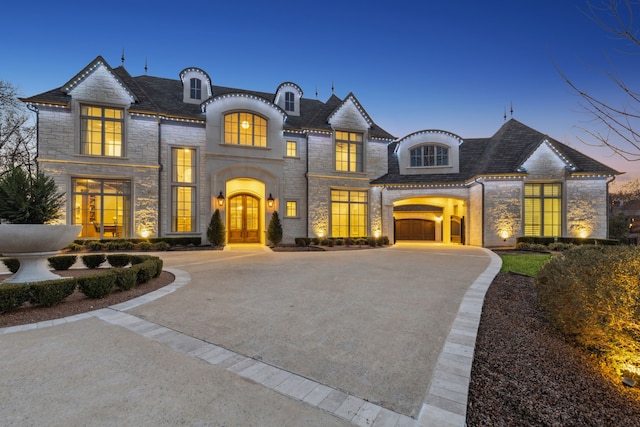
<point x="504" y="117"/>
<point x="146" y="68"/>
<point x="122" y="57"/>
<point x="511" y="109"/>
<point x="332" y="88"/>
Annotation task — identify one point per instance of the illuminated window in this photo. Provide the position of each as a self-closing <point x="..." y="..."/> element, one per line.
<point x="289" y="104"/>
<point x="101" y="131"/>
<point x="348" y="213"/>
<point x="430" y="155"/>
<point x="102" y="207"/>
<point x="348" y="151"/>
<point x="183" y="190"/>
<point x="543" y="210"/>
<point x="245" y="129"/>
<point x="196" y="88"/>
<point x="292" y="208"/>
<point x="292" y="149"/>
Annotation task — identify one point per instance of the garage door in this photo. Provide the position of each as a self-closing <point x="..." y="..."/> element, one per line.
<point x="415" y="229"/>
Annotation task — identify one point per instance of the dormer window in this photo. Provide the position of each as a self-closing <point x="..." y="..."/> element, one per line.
<point x="196" y="88"/>
<point x="430" y="155"/>
<point x="289" y="101"/>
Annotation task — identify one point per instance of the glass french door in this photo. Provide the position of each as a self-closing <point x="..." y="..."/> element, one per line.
<point x="102" y="207"/>
<point x="244" y="219"/>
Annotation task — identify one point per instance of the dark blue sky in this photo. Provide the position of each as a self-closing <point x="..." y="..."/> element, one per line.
<point x="412" y="64"/>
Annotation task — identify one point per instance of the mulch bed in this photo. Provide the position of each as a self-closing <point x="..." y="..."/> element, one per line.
<point x="525" y="374"/>
<point x="77" y="302"/>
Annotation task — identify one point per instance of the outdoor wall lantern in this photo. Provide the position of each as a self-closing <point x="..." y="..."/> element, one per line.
<point x="220" y="199"/>
<point x="270" y="201"/>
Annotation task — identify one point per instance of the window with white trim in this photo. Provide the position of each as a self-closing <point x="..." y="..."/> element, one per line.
<point x="244" y="128"/>
<point x="101" y="131"/>
<point x="430" y="155"/>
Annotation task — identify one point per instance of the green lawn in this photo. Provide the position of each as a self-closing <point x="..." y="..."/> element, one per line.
<point x="528" y="264"/>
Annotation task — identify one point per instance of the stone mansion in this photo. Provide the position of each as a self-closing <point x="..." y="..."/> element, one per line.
<point x="147" y="156"/>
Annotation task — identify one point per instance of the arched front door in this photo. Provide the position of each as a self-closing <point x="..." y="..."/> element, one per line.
<point x="244" y="219"/>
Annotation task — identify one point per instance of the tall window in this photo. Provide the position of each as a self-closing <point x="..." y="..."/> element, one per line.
<point x="292" y="149"/>
<point x="196" y="88"/>
<point x="289" y="103"/>
<point x="292" y="208"/>
<point x="183" y="190"/>
<point x="245" y="129"/>
<point x="101" y="131"/>
<point x="348" y="213"/>
<point x="430" y="155"/>
<point x="543" y="210"/>
<point x="348" y="151"/>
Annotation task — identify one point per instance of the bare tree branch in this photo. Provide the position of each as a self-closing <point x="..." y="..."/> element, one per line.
<point x="616" y="127"/>
<point x="17" y="135"/>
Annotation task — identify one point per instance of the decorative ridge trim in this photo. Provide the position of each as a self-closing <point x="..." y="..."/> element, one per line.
<point x="427" y="131"/>
<point x="355" y="101"/>
<point x="88" y="70"/>
<point x="242" y="95"/>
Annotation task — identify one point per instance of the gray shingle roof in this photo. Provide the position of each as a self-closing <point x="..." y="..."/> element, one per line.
<point x="157" y="95"/>
<point x="501" y="154"/>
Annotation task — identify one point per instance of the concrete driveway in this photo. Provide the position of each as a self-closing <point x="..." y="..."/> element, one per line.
<point x="257" y="338"/>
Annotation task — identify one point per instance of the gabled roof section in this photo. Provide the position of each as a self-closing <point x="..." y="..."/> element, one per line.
<point x="503" y="154"/>
<point x="88" y="70"/>
<point x="351" y="97"/>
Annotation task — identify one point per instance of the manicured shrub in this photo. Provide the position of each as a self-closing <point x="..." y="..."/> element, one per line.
<point x="144" y="246"/>
<point x="315" y="240"/>
<point x="216" y="229"/>
<point x="62" y="262"/>
<point x="125" y="278"/>
<point x="118" y="260"/>
<point x="301" y="241"/>
<point x="112" y="245"/>
<point x="126" y="245"/>
<point x="161" y="246"/>
<point x="348" y="241"/>
<point x="339" y="242"/>
<point x="13" y="295"/>
<point x="592" y="295"/>
<point x="97" y="285"/>
<point x="143" y="273"/>
<point x="95" y="245"/>
<point x="274" y="230"/>
<point x="12" y="264"/>
<point x="52" y="292"/>
<point x="75" y="247"/>
<point x="93" y="260"/>
<point x="371" y="241"/>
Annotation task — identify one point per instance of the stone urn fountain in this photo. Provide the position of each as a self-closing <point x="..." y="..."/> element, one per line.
<point x="32" y="244"/>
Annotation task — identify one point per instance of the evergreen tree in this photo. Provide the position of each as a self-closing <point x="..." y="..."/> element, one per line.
<point x="215" y="232"/>
<point x="274" y="232"/>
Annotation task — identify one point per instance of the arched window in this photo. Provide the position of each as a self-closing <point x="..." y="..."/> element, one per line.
<point x="245" y="129"/>
<point x="430" y="155"/>
<point x="289" y="101"/>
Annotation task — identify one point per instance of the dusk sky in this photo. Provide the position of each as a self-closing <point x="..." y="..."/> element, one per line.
<point x="413" y="65"/>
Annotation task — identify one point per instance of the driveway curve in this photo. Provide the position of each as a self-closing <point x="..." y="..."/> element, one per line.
<point x="378" y="334"/>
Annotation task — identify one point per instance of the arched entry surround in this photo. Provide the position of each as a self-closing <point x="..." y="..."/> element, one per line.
<point x="421" y="214"/>
<point x="253" y="183"/>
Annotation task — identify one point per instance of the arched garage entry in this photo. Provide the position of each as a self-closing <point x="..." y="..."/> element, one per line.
<point x="435" y="219"/>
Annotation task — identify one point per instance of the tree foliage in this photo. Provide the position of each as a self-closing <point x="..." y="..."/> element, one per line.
<point x="17" y="134"/>
<point x="614" y="126"/>
<point x="29" y="199"/>
<point x="215" y="232"/>
<point x="274" y="232"/>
